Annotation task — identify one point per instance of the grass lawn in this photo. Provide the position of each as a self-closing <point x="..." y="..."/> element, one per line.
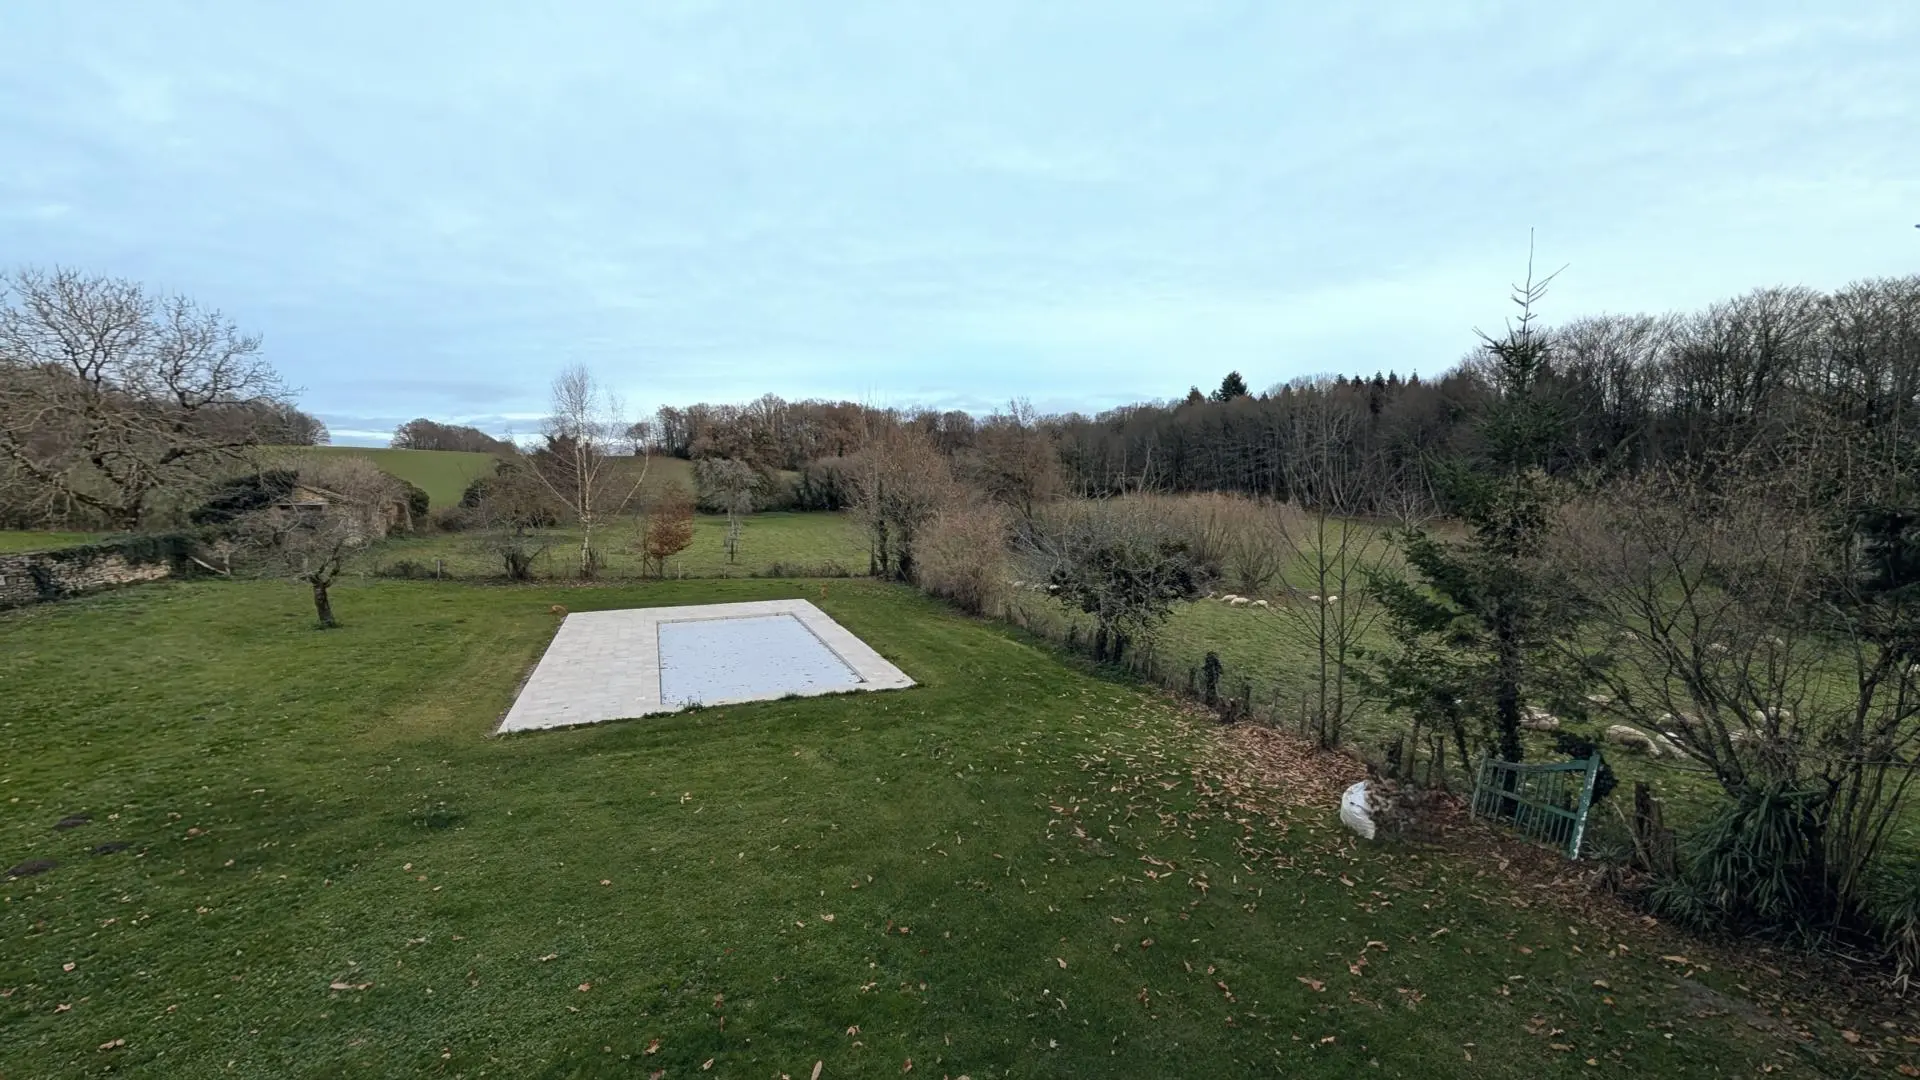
<point x="1011" y="870"/>
<point x="811" y="542"/>
<point x="28" y="540"/>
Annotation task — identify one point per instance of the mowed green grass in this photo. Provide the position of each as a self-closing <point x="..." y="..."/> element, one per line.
<point x="1014" y="869"/>
<point x="32" y="540"/>
<point x="797" y="543"/>
<point x="442" y="474"/>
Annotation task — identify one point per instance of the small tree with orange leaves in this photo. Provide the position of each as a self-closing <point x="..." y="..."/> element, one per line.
<point x="668" y="530"/>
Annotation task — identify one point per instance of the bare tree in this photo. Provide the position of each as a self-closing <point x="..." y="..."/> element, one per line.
<point x="314" y="542"/>
<point x="1764" y="615"/>
<point x="729" y="485"/>
<point x="580" y="461"/>
<point x="106" y="391"/>
<point x="1014" y="461"/>
<point x="1117" y="560"/>
<point x="900" y="481"/>
<point x="1332" y="609"/>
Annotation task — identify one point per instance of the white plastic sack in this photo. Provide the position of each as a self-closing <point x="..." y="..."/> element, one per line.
<point x="1353" y="810"/>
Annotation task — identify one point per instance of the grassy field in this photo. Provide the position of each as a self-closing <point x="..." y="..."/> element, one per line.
<point x="814" y="543"/>
<point x="303" y="857"/>
<point x="442" y="474"/>
<point x="17" y="540"/>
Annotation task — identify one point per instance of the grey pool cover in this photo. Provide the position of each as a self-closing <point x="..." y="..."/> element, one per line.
<point x="605" y="665"/>
<point x="746" y="658"/>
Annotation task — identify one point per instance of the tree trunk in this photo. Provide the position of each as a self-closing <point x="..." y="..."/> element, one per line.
<point x="323" y="606"/>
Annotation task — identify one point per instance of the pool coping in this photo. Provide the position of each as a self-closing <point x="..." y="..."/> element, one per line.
<point x="605" y="665"/>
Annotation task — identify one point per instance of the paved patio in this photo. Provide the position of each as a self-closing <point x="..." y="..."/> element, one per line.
<point x="607" y="665"/>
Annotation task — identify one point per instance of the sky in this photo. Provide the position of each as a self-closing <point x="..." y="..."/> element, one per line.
<point x="430" y="209"/>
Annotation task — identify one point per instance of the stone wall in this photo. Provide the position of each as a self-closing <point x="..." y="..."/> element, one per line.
<point x="32" y="576"/>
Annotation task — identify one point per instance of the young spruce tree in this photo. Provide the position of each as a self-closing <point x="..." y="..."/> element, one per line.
<point x="1483" y="628"/>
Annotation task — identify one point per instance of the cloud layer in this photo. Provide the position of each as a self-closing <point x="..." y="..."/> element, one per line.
<point x="428" y="209"/>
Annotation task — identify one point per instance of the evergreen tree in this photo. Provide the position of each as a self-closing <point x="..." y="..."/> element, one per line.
<point x="1233" y="386"/>
<point x="1484" y="629"/>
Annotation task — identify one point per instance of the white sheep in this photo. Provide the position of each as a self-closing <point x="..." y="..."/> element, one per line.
<point x="1259" y="603"/>
<point x="1230" y="598"/>
<point x="1535" y="718"/>
<point x="1632" y="738"/>
<point x="1333" y="599"/>
<point x="1238" y="601"/>
<point x="1315" y="598"/>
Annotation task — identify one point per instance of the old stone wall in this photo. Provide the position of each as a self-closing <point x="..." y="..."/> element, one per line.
<point x="32" y="576"/>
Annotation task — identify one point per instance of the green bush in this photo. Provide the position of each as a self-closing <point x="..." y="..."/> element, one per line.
<point x="418" y="503"/>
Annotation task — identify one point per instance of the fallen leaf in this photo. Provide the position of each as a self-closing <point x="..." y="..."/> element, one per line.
<point x="652" y="1047"/>
<point x="908" y="1067"/>
<point x="67" y="966"/>
<point x="1676" y="960"/>
<point x="1146" y="943"/>
<point x="1061" y="961"/>
<point x="114" y="1045"/>
<point x="816" y="1069"/>
<point x="707" y="1064"/>
<point x="585" y="986"/>
<point x="606" y="881"/>
<point x="349" y="986"/>
<point x="61" y="1008"/>
<point x="1562" y="1047"/>
<point x="1603" y="984"/>
<point x="1850" y="1036"/>
<point x="1908" y="1070"/>
<point x="1314" y="984"/>
<point x="550" y="956"/>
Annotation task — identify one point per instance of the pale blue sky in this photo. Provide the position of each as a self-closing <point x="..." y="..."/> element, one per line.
<point x="428" y="209"/>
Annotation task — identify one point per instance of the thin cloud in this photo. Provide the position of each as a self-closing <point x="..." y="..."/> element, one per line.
<point x="431" y="208"/>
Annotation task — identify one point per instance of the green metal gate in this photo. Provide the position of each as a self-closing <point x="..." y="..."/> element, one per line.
<point x="1546" y="803"/>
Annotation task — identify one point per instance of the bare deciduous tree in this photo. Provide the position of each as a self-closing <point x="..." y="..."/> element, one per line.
<point x="1118" y="561"/>
<point x="1764" y="614"/>
<point x="900" y="480"/>
<point x="106" y="392"/>
<point x="1332" y="610"/>
<point x="581" y="462"/>
<point x="314" y="542"/>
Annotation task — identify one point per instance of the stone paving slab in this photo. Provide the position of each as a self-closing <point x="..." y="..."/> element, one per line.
<point x="605" y="665"/>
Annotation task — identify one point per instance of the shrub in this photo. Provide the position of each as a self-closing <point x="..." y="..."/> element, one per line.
<point x="239" y="496"/>
<point x="963" y="556"/>
<point x="418" y="503"/>
<point x="404" y="568"/>
<point x="457" y="518"/>
<point x="831" y="568"/>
